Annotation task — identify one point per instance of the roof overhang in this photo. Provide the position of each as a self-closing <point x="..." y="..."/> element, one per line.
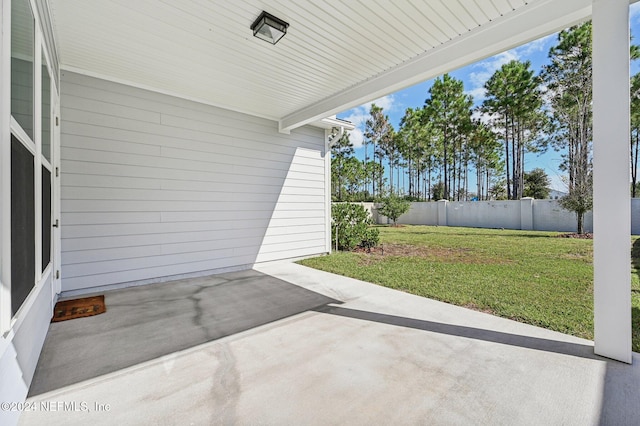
<point x="336" y="54"/>
<point x="532" y="21"/>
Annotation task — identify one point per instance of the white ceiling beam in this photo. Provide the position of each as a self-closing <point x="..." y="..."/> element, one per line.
<point x="528" y="23"/>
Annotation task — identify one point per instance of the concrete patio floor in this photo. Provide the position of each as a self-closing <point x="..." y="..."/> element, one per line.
<point x="250" y="348"/>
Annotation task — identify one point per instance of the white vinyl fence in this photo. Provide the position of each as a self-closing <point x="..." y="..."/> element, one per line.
<point x="525" y="214"/>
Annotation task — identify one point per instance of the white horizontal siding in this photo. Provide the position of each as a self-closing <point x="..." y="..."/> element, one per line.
<point x="155" y="186"/>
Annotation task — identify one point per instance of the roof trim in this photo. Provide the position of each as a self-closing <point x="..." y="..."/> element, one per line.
<point x="331" y="122"/>
<point x="532" y="21"/>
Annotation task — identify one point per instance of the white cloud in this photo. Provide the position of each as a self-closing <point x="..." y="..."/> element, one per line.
<point x="540" y="45"/>
<point x="484" y="117"/>
<point x="485" y="69"/>
<point x="386" y="102"/>
<point x="356" y="137"/>
<point x="479" y="93"/>
<point x="359" y="115"/>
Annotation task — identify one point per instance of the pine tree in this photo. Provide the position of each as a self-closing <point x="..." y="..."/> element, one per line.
<point x="536" y="184"/>
<point x="414" y="144"/>
<point x="341" y="151"/>
<point x="378" y="132"/>
<point x="485" y="156"/>
<point x="448" y="109"/>
<point x="569" y="85"/>
<point x="514" y="100"/>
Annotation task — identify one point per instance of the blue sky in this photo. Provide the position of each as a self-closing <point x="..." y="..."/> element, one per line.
<point x="474" y="76"/>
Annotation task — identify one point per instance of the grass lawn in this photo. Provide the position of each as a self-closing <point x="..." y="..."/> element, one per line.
<point x="528" y="276"/>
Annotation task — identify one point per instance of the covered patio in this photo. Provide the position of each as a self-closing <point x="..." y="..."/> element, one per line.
<point x="147" y="142"/>
<point x="341" y="351"/>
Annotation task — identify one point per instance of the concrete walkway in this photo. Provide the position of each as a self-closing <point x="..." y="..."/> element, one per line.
<point x="341" y="351"/>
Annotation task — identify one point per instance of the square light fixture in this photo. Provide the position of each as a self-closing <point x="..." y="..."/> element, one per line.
<point x="269" y="28"/>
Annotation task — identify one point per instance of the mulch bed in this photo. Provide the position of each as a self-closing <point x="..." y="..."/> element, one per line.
<point x="585" y="236"/>
<point x="409" y="250"/>
<point x="437" y="254"/>
<point x="375" y="250"/>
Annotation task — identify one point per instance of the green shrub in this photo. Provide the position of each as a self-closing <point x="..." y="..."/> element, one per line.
<point x="350" y="227"/>
<point x="393" y="207"/>
<point x="371" y="238"/>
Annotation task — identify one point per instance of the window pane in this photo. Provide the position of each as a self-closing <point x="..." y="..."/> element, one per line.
<point x="22" y="55"/>
<point x="46" y="218"/>
<point x="46" y="111"/>
<point x="23" y="230"/>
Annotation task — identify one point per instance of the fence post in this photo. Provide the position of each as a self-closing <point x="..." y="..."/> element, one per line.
<point x="526" y="214"/>
<point x="442" y="212"/>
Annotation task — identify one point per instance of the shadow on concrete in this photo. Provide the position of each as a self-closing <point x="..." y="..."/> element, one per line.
<point x="620" y="403"/>
<point x="574" y="349"/>
<point x="621" y="393"/>
<point x="147" y="322"/>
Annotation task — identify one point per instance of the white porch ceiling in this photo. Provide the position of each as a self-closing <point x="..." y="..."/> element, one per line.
<point x="336" y="54"/>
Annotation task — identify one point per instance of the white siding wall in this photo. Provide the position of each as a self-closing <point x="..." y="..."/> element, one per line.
<point x="155" y="186"/>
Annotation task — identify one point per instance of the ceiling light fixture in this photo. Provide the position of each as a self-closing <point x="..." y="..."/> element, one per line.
<point x="269" y="28"/>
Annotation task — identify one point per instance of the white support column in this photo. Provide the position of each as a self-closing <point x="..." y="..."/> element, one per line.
<point x="611" y="199"/>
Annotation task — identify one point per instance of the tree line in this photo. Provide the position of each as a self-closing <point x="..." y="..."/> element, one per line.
<point x="438" y="146"/>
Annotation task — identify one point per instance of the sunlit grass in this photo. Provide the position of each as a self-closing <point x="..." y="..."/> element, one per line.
<point x="528" y="276"/>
